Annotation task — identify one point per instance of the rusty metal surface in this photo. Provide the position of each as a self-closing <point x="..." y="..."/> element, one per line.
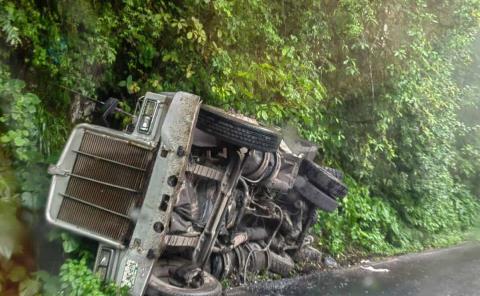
<point x="178" y="120"/>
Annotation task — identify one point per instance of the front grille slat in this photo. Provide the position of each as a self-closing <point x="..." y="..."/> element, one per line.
<point x="108" y="160"/>
<point x="122" y="151"/>
<point x="95" y="220"/>
<point x="80" y="200"/>
<point x="107" y="172"/>
<point x="116" y="199"/>
<point x="106" y="184"/>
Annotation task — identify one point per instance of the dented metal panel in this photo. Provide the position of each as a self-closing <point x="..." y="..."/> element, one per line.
<point x="152" y="225"/>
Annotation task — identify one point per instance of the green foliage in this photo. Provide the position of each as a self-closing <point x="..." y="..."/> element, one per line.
<point x="31" y="134"/>
<point x="70" y="243"/>
<point x="8" y="29"/>
<point x="370" y="225"/>
<point x="50" y="285"/>
<point x="23" y="131"/>
<point x="77" y="278"/>
<point x="10" y="227"/>
<point x="15" y="276"/>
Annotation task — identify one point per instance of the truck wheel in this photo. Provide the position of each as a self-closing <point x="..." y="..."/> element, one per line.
<point x="161" y="287"/>
<point x="336" y="173"/>
<point x="237" y="131"/>
<point x="323" y="179"/>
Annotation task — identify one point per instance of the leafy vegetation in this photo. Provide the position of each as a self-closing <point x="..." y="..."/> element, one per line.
<point x="77" y="278"/>
<point x="387" y="89"/>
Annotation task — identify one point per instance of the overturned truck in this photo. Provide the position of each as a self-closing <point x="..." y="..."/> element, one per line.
<point x="188" y="196"/>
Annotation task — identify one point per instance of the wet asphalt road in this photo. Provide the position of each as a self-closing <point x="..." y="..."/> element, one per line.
<point x="453" y="271"/>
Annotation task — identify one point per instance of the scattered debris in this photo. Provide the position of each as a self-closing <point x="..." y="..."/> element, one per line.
<point x="373" y="269"/>
<point x="330" y="262"/>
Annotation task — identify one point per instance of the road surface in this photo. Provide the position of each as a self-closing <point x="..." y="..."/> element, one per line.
<point x="454" y="271"/>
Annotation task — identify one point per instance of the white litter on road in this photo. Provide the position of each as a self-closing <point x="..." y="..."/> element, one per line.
<point x="373" y="269"/>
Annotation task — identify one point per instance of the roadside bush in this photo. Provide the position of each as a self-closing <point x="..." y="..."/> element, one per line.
<point x="77" y="278"/>
<point x="361" y="223"/>
<point x="367" y="225"/>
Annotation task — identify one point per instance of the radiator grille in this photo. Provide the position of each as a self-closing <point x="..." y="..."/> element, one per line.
<point x="107" y="183"/>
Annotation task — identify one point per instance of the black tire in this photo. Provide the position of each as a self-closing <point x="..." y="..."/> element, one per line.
<point x="160" y="287"/>
<point x="322" y="179"/>
<point x="236" y="131"/>
<point x="336" y="173"/>
<point x="314" y="195"/>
